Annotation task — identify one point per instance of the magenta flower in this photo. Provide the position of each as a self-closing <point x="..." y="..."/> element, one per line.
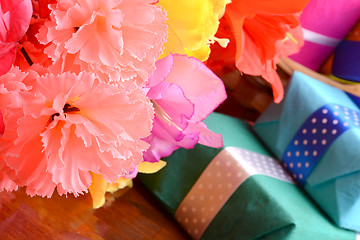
<point x="184" y="92"/>
<point x="70" y="125"/>
<point x="15" y="18"/>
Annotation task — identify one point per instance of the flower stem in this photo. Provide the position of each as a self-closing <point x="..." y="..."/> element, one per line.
<point x="26" y="55"/>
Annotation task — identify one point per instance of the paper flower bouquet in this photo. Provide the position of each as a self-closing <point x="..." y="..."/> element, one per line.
<point x="94" y="91"/>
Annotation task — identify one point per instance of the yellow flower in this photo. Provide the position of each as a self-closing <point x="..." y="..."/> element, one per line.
<point x="192" y="26"/>
<point x="99" y="187"/>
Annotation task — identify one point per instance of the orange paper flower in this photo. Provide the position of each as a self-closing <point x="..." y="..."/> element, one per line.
<point x="261" y="31"/>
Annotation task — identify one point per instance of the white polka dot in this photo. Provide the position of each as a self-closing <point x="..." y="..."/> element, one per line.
<point x="347" y="117"/>
<point x="314" y="142"/>
<point x="228" y="174"/>
<point x="323" y="142"/>
<point x="313" y="120"/>
<point x="211" y="208"/>
<point x="229" y="185"/>
<point x="346" y="124"/>
<point x="193" y="209"/>
<point x="228" y="163"/>
<point x="219" y="185"/>
<point x="291" y="165"/>
<point x="297" y="153"/>
<point x="202" y="209"/>
<point x="192" y="197"/>
<point x="195" y="220"/>
<point x="315" y="153"/>
<point x="189" y="231"/>
<point x="299" y="165"/>
<point x="196" y="231"/>
<point x="285" y="165"/>
<point x="300" y="176"/>
<point x="305" y="142"/>
<point x="334" y="131"/>
<point x="336" y="106"/>
<point x="314" y="130"/>
<point x="288" y="154"/>
<point x="324" y="131"/>
<point x="336" y="113"/>
<point x="201" y="197"/>
<point x="324" y="121"/>
<point x="210" y="186"/>
<point x="217" y="163"/>
<point x="186" y="220"/>
<point x="294" y="175"/>
<point x="239" y="174"/>
<point x="208" y="174"/>
<point x="345" y="108"/>
<point x="307" y="164"/>
<point x="221" y="197"/>
<point x="218" y="174"/>
<point x="184" y="209"/>
<point x="325" y="111"/>
<point x="335" y="121"/>
<point x="304" y="131"/>
<point x="201" y="186"/>
<point x="203" y="220"/>
<point x="306" y="153"/>
<point x="356" y="123"/>
<point x="211" y="197"/>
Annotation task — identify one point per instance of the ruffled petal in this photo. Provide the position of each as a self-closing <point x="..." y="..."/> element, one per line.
<point x="192" y="24"/>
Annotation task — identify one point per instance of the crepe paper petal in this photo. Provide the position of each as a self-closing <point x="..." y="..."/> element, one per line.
<point x="192" y="26"/>
<point x="15" y="19"/>
<point x="7" y="56"/>
<point x="149" y="167"/>
<point x="122" y="39"/>
<point x="41" y="7"/>
<point x="262" y="31"/>
<point x="68" y="125"/>
<point x="97" y="190"/>
<point x="249" y="8"/>
<point x="2" y="126"/>
<point x="99" y="187"/>
<point x="187" y="93"/>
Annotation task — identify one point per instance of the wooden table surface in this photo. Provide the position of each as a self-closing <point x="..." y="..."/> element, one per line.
<point x="134" y="215"/>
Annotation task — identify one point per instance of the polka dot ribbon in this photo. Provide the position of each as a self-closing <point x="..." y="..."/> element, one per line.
<point x="315" y="136"/>
<point x="225" y="173"/>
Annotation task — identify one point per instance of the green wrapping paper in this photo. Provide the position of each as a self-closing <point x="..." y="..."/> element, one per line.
<point x="262" y="207"/>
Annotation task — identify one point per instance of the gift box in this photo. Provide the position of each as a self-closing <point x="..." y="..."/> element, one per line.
<point x="315" y="132"/>
<point x="344" y="63"/>
<point x="325" y="23"/>
<point x="237" y="192"/>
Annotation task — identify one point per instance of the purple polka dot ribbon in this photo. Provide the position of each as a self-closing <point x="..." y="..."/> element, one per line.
<point x="315" y="136"/>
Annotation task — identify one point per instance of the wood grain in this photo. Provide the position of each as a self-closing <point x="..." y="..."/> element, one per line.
<point x="134" y="215"/>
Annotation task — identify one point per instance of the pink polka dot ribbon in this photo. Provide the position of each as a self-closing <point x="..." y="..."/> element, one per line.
<point x="225" y="173"/>
<point x="315" y="136"/>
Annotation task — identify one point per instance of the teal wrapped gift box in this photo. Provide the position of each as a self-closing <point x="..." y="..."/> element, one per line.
<point x="263" y="204"/>
<point x="315" y="132"/>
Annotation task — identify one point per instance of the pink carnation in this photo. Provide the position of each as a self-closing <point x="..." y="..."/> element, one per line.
<point x="117" y="39"/>
<point x="14" y="20"/>
<point x="184" y="92"/>
<point x="70" y="124"/>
